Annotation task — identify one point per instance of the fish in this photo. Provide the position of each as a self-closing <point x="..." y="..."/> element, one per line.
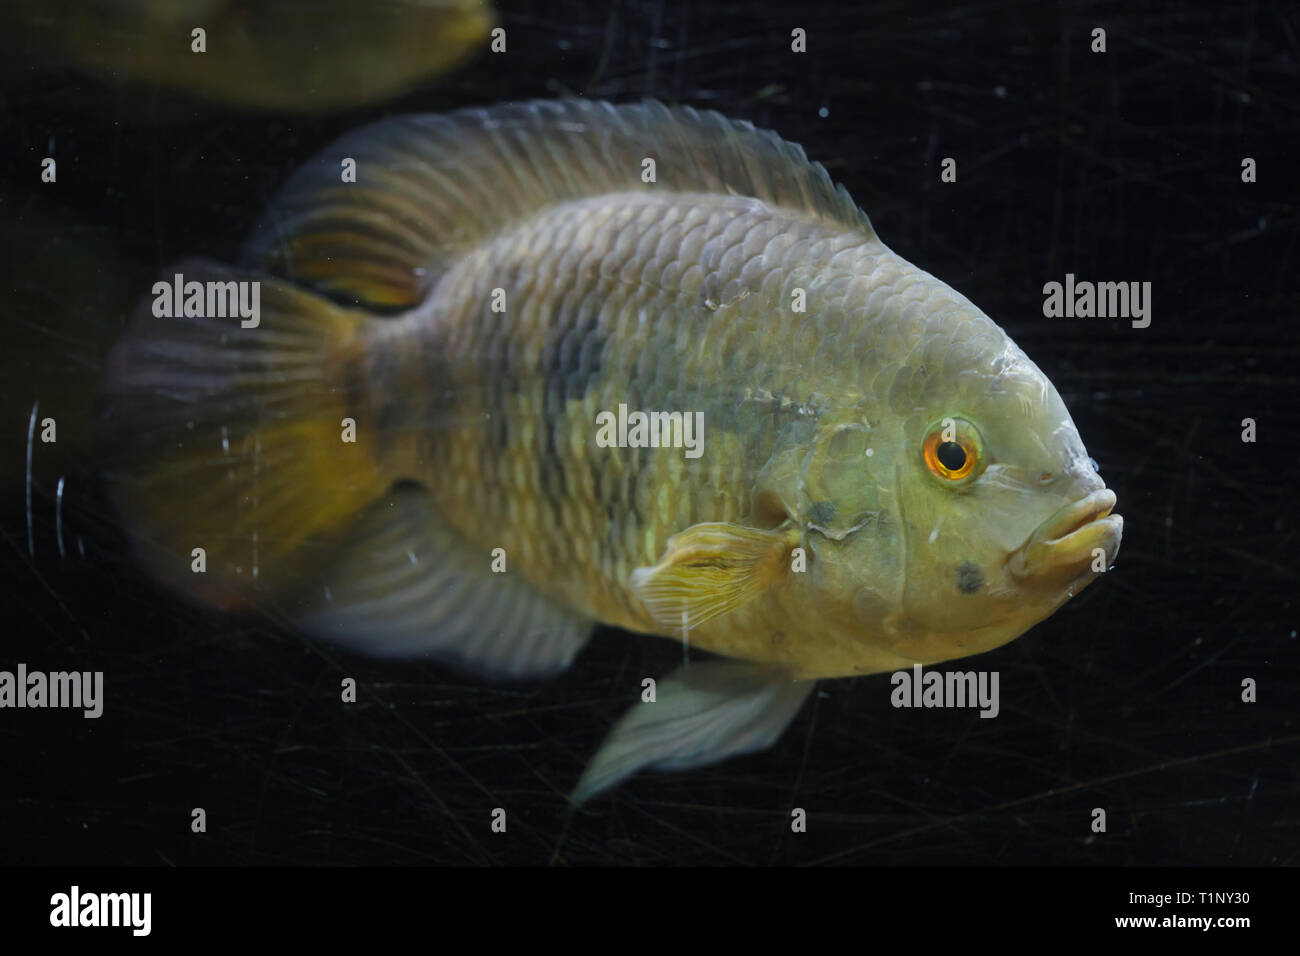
<point x="434" y="441"/>
<point x="298" y="56"/>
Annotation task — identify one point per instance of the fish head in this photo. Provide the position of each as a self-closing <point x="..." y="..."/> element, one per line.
<point x="1004" y="515"/>
<point x="953" y="522"/>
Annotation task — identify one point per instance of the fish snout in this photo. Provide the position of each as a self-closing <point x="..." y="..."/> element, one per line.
<point x="1068" y="541"/>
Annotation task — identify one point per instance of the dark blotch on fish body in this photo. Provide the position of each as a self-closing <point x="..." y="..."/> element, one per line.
<point x="969" y="578"/>
<point x="822" y="512"/>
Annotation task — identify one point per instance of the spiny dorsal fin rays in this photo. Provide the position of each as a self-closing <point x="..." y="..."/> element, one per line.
<point x="429" y="187"/>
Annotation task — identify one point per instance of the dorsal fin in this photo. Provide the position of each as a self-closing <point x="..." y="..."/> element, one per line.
<point x="429" y="187"/>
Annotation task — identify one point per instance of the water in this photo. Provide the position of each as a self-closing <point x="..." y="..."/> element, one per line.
<point x="1116" y="167"/>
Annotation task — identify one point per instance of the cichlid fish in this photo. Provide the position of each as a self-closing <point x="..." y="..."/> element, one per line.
<point x="416" y="449"/>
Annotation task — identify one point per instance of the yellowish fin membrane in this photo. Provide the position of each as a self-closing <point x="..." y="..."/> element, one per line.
<point x="711" y="569"/>
<point x="224" y="446"/>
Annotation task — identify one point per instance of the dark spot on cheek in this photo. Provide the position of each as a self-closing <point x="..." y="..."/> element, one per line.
<point x="969" y="578"/>
<point x="822" y="512"/>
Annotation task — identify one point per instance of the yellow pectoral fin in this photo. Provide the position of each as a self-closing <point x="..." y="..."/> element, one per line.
<point x="711" y="569"/>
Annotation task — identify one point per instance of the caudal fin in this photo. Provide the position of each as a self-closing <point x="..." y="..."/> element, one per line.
<point x="228" y="449"/>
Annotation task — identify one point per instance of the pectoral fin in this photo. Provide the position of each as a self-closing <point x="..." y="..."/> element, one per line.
<point x="712" y="569"/>
<point x="702" y="713"/>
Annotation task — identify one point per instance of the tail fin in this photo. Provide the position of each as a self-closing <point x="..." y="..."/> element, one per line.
<point x="233" y="439"/>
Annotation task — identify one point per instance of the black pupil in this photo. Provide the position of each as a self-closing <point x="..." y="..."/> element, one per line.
<point x="951" y="455"/>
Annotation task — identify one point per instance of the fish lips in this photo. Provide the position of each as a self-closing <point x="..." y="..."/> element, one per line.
<point x="1063" y="545"/>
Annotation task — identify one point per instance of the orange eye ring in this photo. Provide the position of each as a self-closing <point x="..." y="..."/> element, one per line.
<point x="952" y="450"/>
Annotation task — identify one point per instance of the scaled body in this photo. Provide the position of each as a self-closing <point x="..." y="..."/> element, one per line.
<point x="885" y="478"/>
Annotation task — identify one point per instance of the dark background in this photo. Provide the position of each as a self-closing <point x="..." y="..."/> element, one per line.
<point x="1116" y="167"/>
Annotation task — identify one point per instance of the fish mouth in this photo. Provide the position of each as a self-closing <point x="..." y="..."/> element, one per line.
<point x="1068" y="539"/>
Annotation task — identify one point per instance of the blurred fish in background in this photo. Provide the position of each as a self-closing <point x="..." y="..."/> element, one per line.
<point x="301" y="56"/>
<point x="285" y="57"/>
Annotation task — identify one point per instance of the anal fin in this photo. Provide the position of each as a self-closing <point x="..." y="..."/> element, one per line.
<point x="406" y="586"/>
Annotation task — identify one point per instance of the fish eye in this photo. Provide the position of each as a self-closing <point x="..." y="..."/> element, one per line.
<point x="953" y="450"/>
<point x="951" y="455"/>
